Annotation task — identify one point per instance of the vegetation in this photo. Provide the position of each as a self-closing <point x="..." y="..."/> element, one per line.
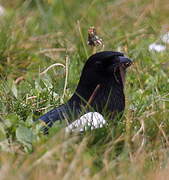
<point x="36" y="34"/>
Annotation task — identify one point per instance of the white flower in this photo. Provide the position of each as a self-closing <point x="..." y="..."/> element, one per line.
<point x="2" y="11"/>
<point x="157" y="47"/>
<point x="165" y="38"/>
<point x="91" y="120"/>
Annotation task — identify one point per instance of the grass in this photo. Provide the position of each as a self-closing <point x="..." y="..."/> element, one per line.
<point x="37" y="34"/>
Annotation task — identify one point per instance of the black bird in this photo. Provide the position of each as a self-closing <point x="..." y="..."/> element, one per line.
<point x="100" y="89"/>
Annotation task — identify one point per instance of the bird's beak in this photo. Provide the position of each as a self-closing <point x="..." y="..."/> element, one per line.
<point x="124" y="61"/>
<point x="124" y="64"/>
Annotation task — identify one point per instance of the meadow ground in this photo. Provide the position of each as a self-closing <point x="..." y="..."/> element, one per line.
<point x="36" y="34"/>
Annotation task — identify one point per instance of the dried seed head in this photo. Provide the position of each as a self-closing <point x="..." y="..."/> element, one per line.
<point x="93" y="38"/>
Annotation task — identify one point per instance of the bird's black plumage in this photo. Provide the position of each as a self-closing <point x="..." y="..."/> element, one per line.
<point x="100" y="88"/>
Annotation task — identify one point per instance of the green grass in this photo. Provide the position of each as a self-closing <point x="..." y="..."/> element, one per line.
<point x="36" y="34"/>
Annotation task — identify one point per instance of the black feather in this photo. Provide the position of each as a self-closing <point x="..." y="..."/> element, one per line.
<point x="100" y="88"/>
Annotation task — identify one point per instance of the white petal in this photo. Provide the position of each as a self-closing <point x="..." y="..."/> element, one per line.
<point x="165" y="38"/>
<point x="101" y="125"/>
<point x="157" y="47"/>
<point x="2" y="11"/>
<point x="89" y="124"/>
<point x="81" y="130"/>
<point x="103" y="121"/>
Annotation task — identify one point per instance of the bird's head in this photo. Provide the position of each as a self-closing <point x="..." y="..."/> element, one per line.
<point x="106" y="66"/>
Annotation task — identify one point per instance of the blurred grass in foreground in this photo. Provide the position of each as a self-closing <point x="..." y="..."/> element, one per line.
<point x="36" y="34"/>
